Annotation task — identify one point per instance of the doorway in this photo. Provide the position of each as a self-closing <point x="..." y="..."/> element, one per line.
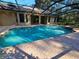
<point x="43" y="20"/>
<point x="21" y="17"/>
<point x="34" y="19"/>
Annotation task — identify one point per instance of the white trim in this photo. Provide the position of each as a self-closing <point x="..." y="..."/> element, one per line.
<point x="29" y="19"/>
<point x="39" y="19"/>
<point x="25" y="18"/>
<point x="18" y="18"/>
<point x="47" y="20"/>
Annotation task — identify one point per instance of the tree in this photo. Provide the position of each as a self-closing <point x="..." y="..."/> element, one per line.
<point x="42" y="3"/>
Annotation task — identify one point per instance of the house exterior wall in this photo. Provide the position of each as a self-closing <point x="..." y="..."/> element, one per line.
<point x="7" y="18"/>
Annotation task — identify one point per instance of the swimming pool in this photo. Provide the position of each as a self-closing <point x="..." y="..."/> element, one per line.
<point x="22" y="35"/>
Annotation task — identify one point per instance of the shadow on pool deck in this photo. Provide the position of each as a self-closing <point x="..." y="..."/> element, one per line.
<point x="61" y="54"/>
<point x="26" y="54"/>
<point x="71" y="40"/>
<point x="17" y="54"/>
<point x="55" y="57"/>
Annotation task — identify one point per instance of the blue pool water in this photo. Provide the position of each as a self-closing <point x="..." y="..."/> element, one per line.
<point x="22" y="35"/>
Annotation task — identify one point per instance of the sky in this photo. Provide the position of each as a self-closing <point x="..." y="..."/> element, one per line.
<point x="23" y="2"/>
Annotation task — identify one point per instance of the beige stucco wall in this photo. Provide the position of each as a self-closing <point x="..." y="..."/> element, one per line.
<point x="7" y="18"/>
